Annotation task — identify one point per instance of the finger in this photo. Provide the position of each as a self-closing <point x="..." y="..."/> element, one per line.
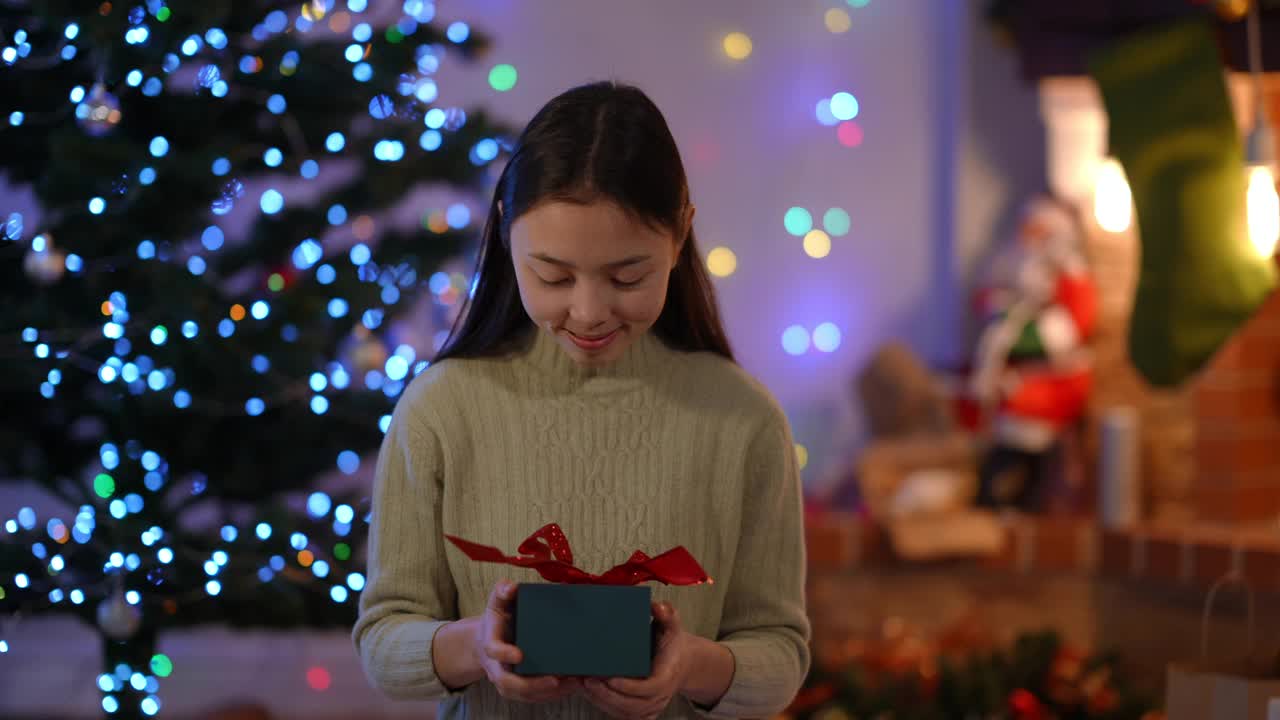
<point x="633" y="687"/>
<point x="500" y="596"/>
<point x="526" y="689"/>
<point x="503" y="653"/>
<point x="614" y="702"/>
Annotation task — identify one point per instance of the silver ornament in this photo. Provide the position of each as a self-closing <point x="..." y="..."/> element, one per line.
<point x="99" y="113"/>
<point x="118" y="619"/>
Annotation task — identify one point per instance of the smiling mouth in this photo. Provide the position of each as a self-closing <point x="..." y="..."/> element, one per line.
<point x="592" y="344"/>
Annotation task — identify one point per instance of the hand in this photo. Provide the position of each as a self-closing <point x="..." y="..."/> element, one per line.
<point x="496" y="656"/>
<point x="646" y="699"/>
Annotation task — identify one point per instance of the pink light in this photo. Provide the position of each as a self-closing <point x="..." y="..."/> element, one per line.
<point x="849" y="133"/>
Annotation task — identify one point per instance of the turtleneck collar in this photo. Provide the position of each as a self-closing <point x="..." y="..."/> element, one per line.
<point x="643" y="356"/>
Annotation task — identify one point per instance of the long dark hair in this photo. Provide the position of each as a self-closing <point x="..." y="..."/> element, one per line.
<point x="599" y="142"/>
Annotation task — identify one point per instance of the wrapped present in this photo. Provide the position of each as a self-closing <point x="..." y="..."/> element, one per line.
<point x="578" y="623"/>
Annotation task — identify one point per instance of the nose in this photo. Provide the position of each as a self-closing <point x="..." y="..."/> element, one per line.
<point x="589" y="306"/>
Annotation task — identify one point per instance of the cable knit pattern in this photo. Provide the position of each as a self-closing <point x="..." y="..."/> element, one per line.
<point x="661" y="448"/>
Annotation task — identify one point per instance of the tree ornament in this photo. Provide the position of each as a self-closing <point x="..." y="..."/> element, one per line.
<point x="99" y="113"/>
<point x="118" y="619"/>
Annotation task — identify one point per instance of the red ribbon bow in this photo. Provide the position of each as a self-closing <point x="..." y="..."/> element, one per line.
<point x="548" y="552"/>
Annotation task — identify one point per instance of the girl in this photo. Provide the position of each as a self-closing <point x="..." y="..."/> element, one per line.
<point x="589" y="384"/>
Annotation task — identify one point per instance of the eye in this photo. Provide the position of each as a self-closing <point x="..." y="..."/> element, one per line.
<point x="630" y="283"/>
<point x="559" y="282"/>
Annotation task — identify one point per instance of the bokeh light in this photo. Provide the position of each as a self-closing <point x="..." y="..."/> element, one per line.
<point x="737" y="46"/>
<point x="837" y="20"/>
<point x="795" y="340"/>
<point x="797" y="221"/>
<point x="826" y="337"/>
<point x="503" y="77"/>
<point x="722" y="262"/>
<point x="817" y="244"/>
<point x="849" y="133"/>
<point x="836" y="222"/>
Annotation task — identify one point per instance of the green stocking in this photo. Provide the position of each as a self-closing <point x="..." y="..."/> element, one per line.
<point x="1171" y="127"/>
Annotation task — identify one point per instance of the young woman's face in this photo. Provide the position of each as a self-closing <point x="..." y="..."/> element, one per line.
<point x="591" y="275"/>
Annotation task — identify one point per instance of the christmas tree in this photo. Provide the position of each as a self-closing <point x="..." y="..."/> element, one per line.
<point x="201" y="309"/>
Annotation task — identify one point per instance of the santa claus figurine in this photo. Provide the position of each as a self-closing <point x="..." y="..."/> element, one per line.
<point x="1033" y="369"/>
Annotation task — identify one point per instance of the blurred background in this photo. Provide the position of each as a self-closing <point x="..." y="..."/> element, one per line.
<point x="1008" y="265"/>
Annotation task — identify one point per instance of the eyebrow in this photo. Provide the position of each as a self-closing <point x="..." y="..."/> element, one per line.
<point x="633" y="260"/>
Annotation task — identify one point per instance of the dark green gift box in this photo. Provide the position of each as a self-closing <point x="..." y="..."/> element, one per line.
<point x="584" y="630"/>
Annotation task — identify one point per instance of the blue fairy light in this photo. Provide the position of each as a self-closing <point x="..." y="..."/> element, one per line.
<point x="182" y="399"/>
<point x="196" y="265"/>
<point x="298" y="541"/>
<point x="212" y="238"/>
<point x="318" y="504"/>
<point x="150" y="705"/>
<point x="458" y="32"/>
<point x="276" y="563"/>
<point x="335" y="142"/>
<point x="255" y="406"/>
<point x="325" y="274"/>
<point x="164" y="555"/>
<point x="110" y="704"/>
<point x="213" y="587"/>
<point x="156" y="380"/>
<point x="355" y="581"/>
<point x="132" y="597"/>
<point x="336" y="215"/>
<point x="192" y="45"/>
<point x="15" y="118"/>
<point x="795" y="340"/>
<point x="226" y="328"/>
<point x="320" y="568"/>
<point x="289" y="333"/>
<point x="381" y="107"/>
<point x="107" y="374"/>
<point x="159" y="334"/>
<point x="189" y="329"/>
<point x="147" y="175"/>
<point x="318" y="381"/>
<point x="77" y="93"/>
<point x="310" y="169"/>
<point x="221" y="166"/>
<point x="171" y="63"/>
<point x="272" y="201"/>
<point x="338" y="594"/>
<point x="30" y="334"/>
<point x="68" y="52"/>
<point x="340" y="378"/>
<point x="118" y="510"/>
<point x="319" y="404"/>
<point x="487" y="149"/>
<point x="273" y="157"/>
<point x="116" y="559"/>
<point x="146" y="250"/>
<point x="362" y="72"/>
<point x="263" y="531"/>
<point x="357" y="6"/>
<point x="216" y="38"/>
<point x="152" y="87"/>
<point x="434" y="118"/>
<point x="276" y="21"/>
<point x="276" y="104"/>
<point x="56" y="595"/>
<point x="260" y="364"/>
<point x="427" y="91"/>
<point x="348" y="462"/>
<point x="27" y="518"/>
<point x="55" y="376"/>
<point x="360" y="254"/>
<point x="134" y="78"/>
<point x="97" y="205"/>
<point x="129" y="372"/>
<point x="21" y="581"/>
<point x="384" y="423"/>
<point x="211" y="568"/>
<point x="229" y="533"/>
<point x="353" y="53"/>
<point x="159" y="146"/>
<point x="71" y="31"/>
<point x="397" y="367"/>
<point x="362" y="32"/>
<point x="430" y="140"/>
<point x="74" y="263"/>
<point x="458" y="216"/>
<point x="265" y="575"/>
<point x="42" y="351"/>
<point x="56" y="563"/>
<point x="344" y="514"/>
<point x="337" y="308"/>
<point x="260" y="310"/>
<point x="307" y="254"/>
<point x="77" y="597"/>
<point x="133" y="502"/>
<point x="372" y="318"/>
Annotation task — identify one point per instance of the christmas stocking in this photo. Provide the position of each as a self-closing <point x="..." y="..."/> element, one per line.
<point x="1171" y="127"/>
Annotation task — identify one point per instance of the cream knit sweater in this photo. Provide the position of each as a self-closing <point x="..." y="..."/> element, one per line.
<point x="661" y="448"/>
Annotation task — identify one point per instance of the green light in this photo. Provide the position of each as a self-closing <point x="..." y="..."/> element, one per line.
<point x="275" y="283"/>
<point x="502" y="77"/>
<point x="104" y="485"/>
<point x="342" y="551"/>
<point x="798" y="221"/>
<point x="394" y="36"/>
<point x="1" y="593"/>
<point x="858" y="3"/>
<point x="836" y="221"/>
<point x="163" y="14"/>
<point x="161" y="665"/>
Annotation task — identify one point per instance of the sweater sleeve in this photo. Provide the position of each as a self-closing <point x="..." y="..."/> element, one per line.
<point x="410" y="593"/>
<point x="764" y="623"/>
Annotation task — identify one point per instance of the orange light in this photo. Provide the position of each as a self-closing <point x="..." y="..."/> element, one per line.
<point x="104" y="9"/>
<point x="106" y="308"/>
<point x="305" y="558"/>
<point x="437" y="222"/>
<point x="340" y="22"/>
<point x="237" y="312"/>
<point x="362" y="228"/>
